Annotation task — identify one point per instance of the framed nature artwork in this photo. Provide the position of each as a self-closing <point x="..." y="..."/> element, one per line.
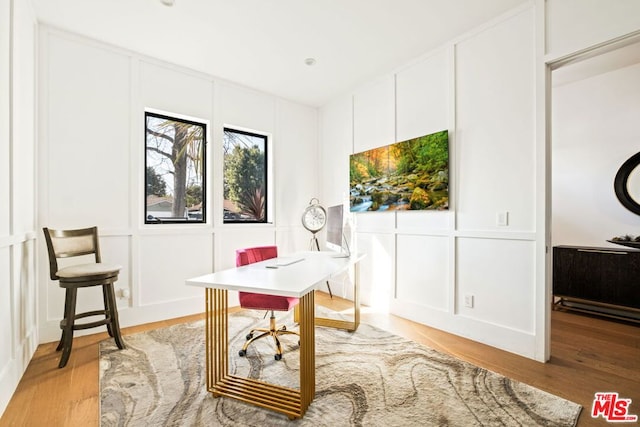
<point x="407" y="175"/>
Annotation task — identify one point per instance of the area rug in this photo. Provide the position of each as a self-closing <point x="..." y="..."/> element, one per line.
<point x="366" y="378"/>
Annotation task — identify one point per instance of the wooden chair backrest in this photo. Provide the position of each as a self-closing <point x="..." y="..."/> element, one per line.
<point x="70" y="243"/>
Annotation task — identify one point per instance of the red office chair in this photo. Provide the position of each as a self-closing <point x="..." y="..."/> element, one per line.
<point x="264" y="302"/>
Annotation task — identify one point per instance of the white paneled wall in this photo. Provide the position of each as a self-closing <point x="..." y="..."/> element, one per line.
<point x="485" y="88"/>
<point x="163" y="268"/>
<point x="574" y="25"/>
<point x="18" y="294"/>
<point x="293" y="149"/>
<point x="5" y="118"/>
<point x="374" y="115"/>
<point x="422" y="268"/>
<point x="420" y="265"/>
<point x="337" y="128"/>
<point x="495" y="144"/>
<point x="377" y="269"/>
<point x="174" y="90"/>
<point x="23" y="126"/>
<point x="10" y="372"/>
<point x="423" y="96"/>
<point x="85" y="162"/>
<point x="500" y="276"/>
<point x="92" y="155"/>
<point x="243" y="107"/>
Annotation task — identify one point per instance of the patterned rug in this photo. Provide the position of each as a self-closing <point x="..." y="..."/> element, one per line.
<point x="366" y="378"/>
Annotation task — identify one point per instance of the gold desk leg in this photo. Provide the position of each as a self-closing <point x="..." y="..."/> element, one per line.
<point x="216" y="340"/>
<point x="307" y="351"/>
<point x="346" y="324"/>
<point x="220" y="382"/>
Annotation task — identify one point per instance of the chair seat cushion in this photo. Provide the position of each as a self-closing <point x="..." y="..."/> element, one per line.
<point x="266" y="302"/>
<point x="88" y="270"/>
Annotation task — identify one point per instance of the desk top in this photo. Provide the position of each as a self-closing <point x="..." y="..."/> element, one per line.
<point x="293" y="280"/>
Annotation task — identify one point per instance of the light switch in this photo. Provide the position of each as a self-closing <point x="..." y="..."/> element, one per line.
<point x="502" y="218"/>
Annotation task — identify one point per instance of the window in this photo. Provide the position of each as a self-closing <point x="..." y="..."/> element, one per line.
<point x="245" y="177"/>
<point x="175" y="170"/>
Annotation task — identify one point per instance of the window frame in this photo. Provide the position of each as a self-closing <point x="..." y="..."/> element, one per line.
<point x="203" y="164"/>
<point x="267" y="174"/>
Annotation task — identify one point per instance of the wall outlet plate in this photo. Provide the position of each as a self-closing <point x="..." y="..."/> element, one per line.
<point x="502" y="218"/>
<point x="468" y="301"/>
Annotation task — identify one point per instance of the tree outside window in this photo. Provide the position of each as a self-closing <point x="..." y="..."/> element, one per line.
<point x="245" y="177"/>
<point x="175" y="170"/>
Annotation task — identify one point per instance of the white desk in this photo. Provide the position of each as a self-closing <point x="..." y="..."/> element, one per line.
<point x="294" y="280"/>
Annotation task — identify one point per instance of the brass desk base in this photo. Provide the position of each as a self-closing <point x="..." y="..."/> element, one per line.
<point x="349" y="325"/>
<point x="220" y="382"/>
<point x="289" y="401"/>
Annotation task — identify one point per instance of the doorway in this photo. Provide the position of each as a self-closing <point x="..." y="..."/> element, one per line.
<point x="594" y="127"/>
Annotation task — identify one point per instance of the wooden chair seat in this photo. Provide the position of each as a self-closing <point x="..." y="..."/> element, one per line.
<point x="87" y="271"/>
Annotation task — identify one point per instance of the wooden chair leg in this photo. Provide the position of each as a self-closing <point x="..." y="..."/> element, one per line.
<point x="64" y="315"/>
<point x="105" y="299"/>
<point x="67" y="331"/>
<point x="112" y="308"/>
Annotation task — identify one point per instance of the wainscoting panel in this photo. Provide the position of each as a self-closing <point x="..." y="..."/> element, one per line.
<point x="174" y="90"/>
<point x="375" y="221"/>
<point x="24" y="288"/>
<point x="373" y="115"/>
<point x="425" y="221"/>
<point x="87" y="135"/>
<point x="500" y="275"/>
<point x="573" y="25"/>
<point x="166" y="261"/>
<point x="336" y="140"/>
<point x="495" y="132"/>
<point x="296" y="138"/>
<point x="234" y="237"/>
<point x="5" y="117"/>
<point x="422" y="271"/>
<point x="5" y="309"/>
<point x="239" y="106"/>
<point x="376" y="269"/>
<point x="422" y="97"/>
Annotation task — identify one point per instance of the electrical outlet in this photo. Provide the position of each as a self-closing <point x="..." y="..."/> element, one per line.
<point x="468" y="301"/>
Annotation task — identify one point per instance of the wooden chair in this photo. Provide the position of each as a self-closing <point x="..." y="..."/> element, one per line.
<point x="264" y="302"/>
<point x="75" y="243"/>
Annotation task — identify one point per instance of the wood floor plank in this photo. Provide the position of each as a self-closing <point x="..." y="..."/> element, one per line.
<point x="588" y="355"/>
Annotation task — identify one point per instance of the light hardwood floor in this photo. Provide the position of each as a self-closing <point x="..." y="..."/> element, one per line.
<point x="588" y="355"/>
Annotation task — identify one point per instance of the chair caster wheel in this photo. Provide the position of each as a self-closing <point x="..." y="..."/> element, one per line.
<point x="249" y="336"/>
<point x="242" y="353"/>
<point x="277" y="357"/>
<point x="284" y="328"/>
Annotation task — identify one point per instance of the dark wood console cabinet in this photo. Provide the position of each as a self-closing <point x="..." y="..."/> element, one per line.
<point x="600" y="280"/>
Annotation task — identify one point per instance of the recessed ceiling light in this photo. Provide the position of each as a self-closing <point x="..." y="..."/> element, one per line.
<point x="310" y="61"/>
<point x="168" y="2"/>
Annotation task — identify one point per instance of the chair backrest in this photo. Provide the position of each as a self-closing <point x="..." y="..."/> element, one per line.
<point x="70" y="243"/>
<point x="256" y="254"/>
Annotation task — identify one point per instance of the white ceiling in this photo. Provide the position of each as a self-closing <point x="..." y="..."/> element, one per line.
<point x="263" y="43"/>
